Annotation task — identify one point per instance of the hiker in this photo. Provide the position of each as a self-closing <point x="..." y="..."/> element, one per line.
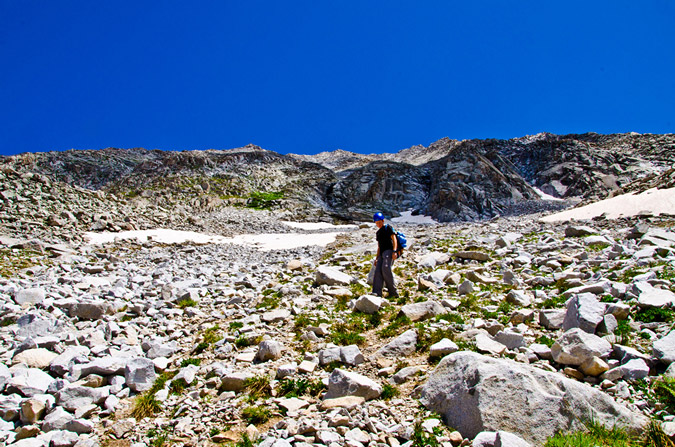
<point x="387" y="246"/>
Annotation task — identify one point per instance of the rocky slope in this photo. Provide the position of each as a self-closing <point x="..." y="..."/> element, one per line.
<point x="153" y="344"/>
<point x="449" y="180"/>
<point x="132" y="344"/>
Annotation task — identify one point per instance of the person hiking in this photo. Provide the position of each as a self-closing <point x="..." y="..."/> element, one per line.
<point x="387" y="247"/>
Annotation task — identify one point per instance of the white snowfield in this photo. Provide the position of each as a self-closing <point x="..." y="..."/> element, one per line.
<point x="653" y="201"/>
<point x="407" y="218"/>
<point x="263" y="242"/>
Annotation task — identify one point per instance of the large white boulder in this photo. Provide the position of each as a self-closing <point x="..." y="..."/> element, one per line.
<point x="343" y="383"/>
<point x="332" y="276"/>
<point x="584" y="311"/>
<point x="576" y="346"/>
<point x="476" y="393"/>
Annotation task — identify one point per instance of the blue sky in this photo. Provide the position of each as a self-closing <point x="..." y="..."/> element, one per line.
<point x="309" y="76"/>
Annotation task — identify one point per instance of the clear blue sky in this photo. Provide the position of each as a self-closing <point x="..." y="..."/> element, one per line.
<point x="315" y="75"/>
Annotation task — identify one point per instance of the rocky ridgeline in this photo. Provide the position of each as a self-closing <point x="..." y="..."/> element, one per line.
<point x="448" y="180"/>
<point x="506" y="332"/>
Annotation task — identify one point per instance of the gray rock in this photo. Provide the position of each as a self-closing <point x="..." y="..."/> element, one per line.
<point x="442" y="348"/>
<point x="139" y="374"/>
<point x="485" y="439"/>
<point x="286" y="370"/>
<point x="485" y="343"/>
<point x="576" y="346"/>
<point x="269" y="350"/>
<point x="579" y="230"/>
<point x="422" y="311"/>
<point x="90" y="310"/>
<point x="57" y="419"/>
<point x="29" y="382"/>
<point x="664" y="348"/>
<point x="161" y="348"/>
<point x="465" y="287"/>
<point x="626" y="353"/>
<point x="512" y="340"/>
<point x="474" y="393"/>
<point x="584" y="311"/>
<point x="63" y="438"/>
<point x="351" y="355"/>
<point x="406" y="373"/>
<point x="10" y="407"/>
<point x="80" y="426"/>
<point x="30" y="296"/>
<point x="650" y="296"/>
<point x="608" y="324"/>
<point x="329" y="355"/>
<point x="552" y="318"/>
<point x="5" y="376"/>
<point x="505" y="439"/>
<point x="432" y="259"/>
<point x="519" y="298"/>
<point x="403" y="345"/>
<point x="472" y="255"/>
<point x="635" y="369"/>
<point x="508" y="239"/>
<point x="368" y="304"/>
<point x="276" y="315"/>
<point x="332" y="276"/>
<point x="31" y="442"/>
<point x="104" y="366"/>
<point x="35" y="358"/>
<point x="343" y="383"/>
<point x="64" y="362"/>
<point x="32" y="325"/>
<point x="74" y="396"/>
<point x="187" y="373"/>
<point x="234" y="381"/>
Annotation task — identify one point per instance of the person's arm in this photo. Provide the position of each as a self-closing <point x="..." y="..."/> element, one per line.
<point x="377" y="255"/>
<point x="395" y="245"/>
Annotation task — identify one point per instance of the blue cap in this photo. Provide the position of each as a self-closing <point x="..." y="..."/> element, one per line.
<point x="378" y="216"/>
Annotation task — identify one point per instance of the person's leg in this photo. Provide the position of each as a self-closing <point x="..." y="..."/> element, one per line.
<point x="377" y="278"/>
<point x="387" y="274"/>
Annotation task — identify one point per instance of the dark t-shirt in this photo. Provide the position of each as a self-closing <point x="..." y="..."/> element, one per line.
<point x="383" y="237"/>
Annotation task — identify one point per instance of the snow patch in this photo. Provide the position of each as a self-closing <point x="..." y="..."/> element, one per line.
<point x="545" y="196"/>
<point x="263" y="242"/>
<point x="653" y="201"/>
<point x="406" y="217"/>
<point x="318" y="226"/>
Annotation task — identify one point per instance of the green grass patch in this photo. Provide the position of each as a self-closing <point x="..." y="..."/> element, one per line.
<point x="344" y="334"/>
<point x="187" y="302"/>
<point x="300" y="387"/>
<point x="264" y="200"/>
<point x="258" y="386"/>
<point x="389" y="392"/>
<point x="13" y="260"/>
<point x="655" y="314"/>
<point x="553" y="302"/>
<point x="235" y="325"/>
<point x="426" y="338"/>
<point x="452" y="317"/>
<point x="245" y="341"/>
<point x="256" y="414"/>
<point x="664" y="391"/>
<point x="544" y="340"/>
<point x="145" y="405"/>
<point x="597" y="435"/>
<point x="624" y="332"/>
<point x="190" y="361"/>
<point x="399" y="324"/>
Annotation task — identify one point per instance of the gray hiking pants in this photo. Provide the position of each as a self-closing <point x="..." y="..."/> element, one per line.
<point x="383" y="274"/>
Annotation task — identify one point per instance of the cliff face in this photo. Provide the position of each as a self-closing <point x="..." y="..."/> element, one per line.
<point x="449" y="180"/>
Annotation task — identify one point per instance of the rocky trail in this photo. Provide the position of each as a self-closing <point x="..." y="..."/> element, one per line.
<point x="506" y="332"/>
